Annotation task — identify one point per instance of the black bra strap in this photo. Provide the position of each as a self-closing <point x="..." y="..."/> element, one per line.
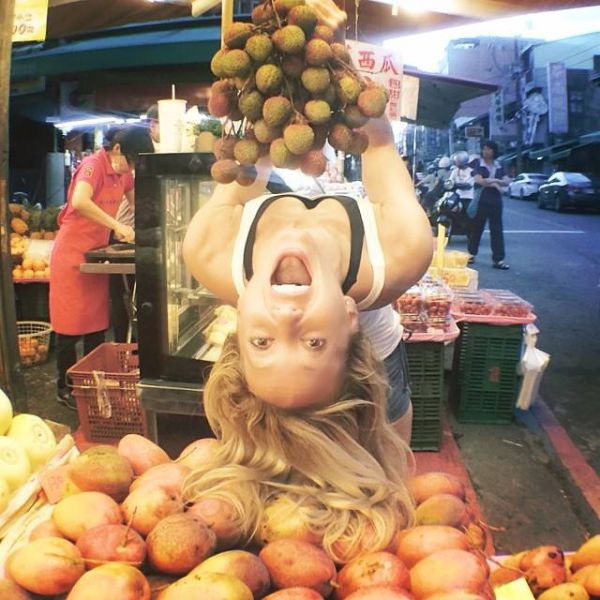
<point x="357" y="233"/>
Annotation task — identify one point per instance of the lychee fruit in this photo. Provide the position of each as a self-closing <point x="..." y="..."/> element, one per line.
<point x="340" y="137"/>
<point x="276" y="111"/>
<point x="251" y="103"/>
<point x="329" y="96"/>
<point x="325" y="33"/>
<point x="347" y="88"/>
<point x="293" y="65"/>
<point x="372" y="101"/>
<point x="281" y="157"/>
<point x="359" y="142"/>
<point x="236" y="63"/>
<point x="321" y="132"/>
<point x="259" y="48"/>
<point x="340" y="53"/>
<point x="313" y="163"/>
<point x="247" y="151"/>
<point x="317" y="111"/>
<point x="298" y="138"/>
<point x="262" y="13"/>
<point x="246" y="175"/>
<point x="224" y="170"/>
<point x="289" y="39"/>
<point x="223" y="147"/>
<point x="315" y="79"/>
<point x="284" y="6"/>
<point x="269" y="79"/>
<point x="353" y="117"/>
<point x="318" y="53"/>
<point x="303" y="16"/>
<point x="237" y="34"/>
<point x="216" y="63"/>
<point x="222" y="98"/>
<point x="264" y="133"/>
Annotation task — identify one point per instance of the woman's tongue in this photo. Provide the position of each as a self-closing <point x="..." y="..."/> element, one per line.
<point x="291" y="270"/>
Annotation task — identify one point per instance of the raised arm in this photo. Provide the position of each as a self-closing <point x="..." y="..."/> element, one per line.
<point x="403" y="227"/>
<point x="210" y="236"/>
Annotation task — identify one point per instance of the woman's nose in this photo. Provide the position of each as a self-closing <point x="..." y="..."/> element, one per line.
<point x="287" y="312"/>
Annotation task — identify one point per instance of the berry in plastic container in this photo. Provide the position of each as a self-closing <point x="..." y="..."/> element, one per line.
<point x="438" y="299"/>
<point x="473" y="303"/>
<point x="508" y="304"/>
<point x="411" y="302"/>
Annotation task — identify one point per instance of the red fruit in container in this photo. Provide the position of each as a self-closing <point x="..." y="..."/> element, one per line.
<point x="295" y="593"/>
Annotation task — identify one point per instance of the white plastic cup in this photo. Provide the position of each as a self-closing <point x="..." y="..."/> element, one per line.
<point x="171" y="124"/>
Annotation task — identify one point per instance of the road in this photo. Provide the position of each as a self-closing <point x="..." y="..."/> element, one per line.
<point x="555" y="265"/>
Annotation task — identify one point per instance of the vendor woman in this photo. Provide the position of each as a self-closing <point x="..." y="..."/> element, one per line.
<point x="79" y="301"/>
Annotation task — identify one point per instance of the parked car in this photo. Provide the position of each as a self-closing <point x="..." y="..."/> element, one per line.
<point x="525" y="185"/>
<point x="565" y="188"/>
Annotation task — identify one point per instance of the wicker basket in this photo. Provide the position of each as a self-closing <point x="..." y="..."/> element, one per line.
<point x="105" y="389"/>
<point x="34" y="341"/>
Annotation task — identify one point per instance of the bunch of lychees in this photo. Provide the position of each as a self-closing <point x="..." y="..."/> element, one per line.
<point x="291" y="87"/>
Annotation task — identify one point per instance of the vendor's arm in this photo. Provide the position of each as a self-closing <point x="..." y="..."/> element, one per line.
<point x="82" y="201"/>
<point x="403" y="227"/>
<point x="209" y="240"/>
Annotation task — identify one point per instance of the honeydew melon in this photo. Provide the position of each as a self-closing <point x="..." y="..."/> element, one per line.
<point x="14" y="463"/>
<point x="6" y="413"/>
<point x="35" y="436"/>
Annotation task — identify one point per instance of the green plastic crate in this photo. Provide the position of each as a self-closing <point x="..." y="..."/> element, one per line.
<point x="485" y="382"/>
<point x="426" y="375"/>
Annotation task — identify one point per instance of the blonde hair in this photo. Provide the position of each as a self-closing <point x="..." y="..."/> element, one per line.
<point x="342" y="463"/>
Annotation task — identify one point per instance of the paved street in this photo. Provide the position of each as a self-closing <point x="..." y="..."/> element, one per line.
<point x="555" y="264"/>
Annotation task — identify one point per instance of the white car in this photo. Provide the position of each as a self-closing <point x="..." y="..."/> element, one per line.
<point x="526" y="185"/>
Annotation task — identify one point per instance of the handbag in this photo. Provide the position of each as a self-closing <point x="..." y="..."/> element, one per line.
<point x="474" y="204"/>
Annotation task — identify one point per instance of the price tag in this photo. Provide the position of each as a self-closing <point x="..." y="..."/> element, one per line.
<point x="515" y="590"/>
<point x="55" y="483"/>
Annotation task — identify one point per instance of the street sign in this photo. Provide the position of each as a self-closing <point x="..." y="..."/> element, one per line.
<point x="474" y="131"/>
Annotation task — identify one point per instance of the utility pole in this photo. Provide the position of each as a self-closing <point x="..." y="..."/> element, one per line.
<point x="11" y="378"/>
<point x="517" y="74"/>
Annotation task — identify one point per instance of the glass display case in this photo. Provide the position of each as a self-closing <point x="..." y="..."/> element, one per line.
<point x="177" y="316"/>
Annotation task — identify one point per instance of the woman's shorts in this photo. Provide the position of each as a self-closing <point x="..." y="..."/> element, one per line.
<point x="396" y="366"/>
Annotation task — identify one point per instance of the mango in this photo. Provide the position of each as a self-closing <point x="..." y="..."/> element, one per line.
<point x="216" y="586"/>
<point x="9" y="589"/>
<point x="112" y="580"/>
<point x="45" y="529"/>
<point x="565" y="591"/>
<point x="425" y="485"/>
<point x="458" y="595"/>
<point x="295" y="593"/>
<point x="141" y="453"/>
<point x="111" y="543"/>
<point x="168" y="476"/>
<point x="243" y="565"/>
<point x="545" y="575"/>
<point x="145" y="507"/>
<point x="540" y="555"/>
<point x="442" y="509"/>
<point x="197" y="454"/>
<point x="294" y="563"/>
<point x="412" y="545"/>
<point x="379" y="593"/>
<point x="221" y="517"/>
<point x="587" y="554"/>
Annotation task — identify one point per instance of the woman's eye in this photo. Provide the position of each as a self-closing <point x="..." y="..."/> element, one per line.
<point x="315" y="343"/>
<point x="260" y="342"/>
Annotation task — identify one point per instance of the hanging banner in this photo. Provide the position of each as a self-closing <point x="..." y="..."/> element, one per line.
<point x="384" y="66"/>
<point x="30" y="21"/>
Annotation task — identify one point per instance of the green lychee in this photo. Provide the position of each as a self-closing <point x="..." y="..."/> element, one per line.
<point x="250" y="104"/>
<point x="303" y="16"/>
<point x="237" y="34"/>
<point x="315" y="79"/>
<point x="247" y="152"/>
<point x="246" y="175"/>
<point x="298" y="138"/>
<point x="325" y="33"/>
<point x="216" y="64"/>
<point x="353" y="117"/>
<point x="372" y="101"/>
<point x="281" y="157"/>
<point x="340" y="137"/>
<point x="276" y="111"/>
<point x="347" y="88"/>
<point x="313" y="163"/>
<point x="269" y="79"/>
<point x="224" y="170"/>
<point x="289" y="39"/>
<point x="293" y="65"/>
<point x="317" y="111"/>
<point x="359" y="142"/>
<point x="259" y="48"/>
<point x="223" y="147"/>
<point x="264" y="133"/>
<point x="236" y="63"/>
<point x="340" y="53"/>
<point x="318" y="53"/>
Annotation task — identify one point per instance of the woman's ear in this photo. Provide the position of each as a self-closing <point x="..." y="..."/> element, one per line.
<point x="116" y="149"/>
<point x="352" y="311"/>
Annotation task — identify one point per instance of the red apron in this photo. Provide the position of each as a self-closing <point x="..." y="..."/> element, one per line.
<point x="79" y="301"/>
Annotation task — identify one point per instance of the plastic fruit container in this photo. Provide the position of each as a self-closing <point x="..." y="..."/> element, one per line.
<point x="473" y="303"/>
<point x="438" y="299"/>
<point x="508" y="304"/>
<point x="411" y="302"/>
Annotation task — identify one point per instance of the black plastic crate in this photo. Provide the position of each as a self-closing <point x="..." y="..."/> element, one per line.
<point x="485" y="382"/>
<point x="426" y="373"/>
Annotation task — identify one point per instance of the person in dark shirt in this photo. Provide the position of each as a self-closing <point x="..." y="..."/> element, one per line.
<point x="490" y="177"/>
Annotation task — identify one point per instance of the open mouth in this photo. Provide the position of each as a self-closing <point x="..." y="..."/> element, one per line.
<point x="291" y="275"/>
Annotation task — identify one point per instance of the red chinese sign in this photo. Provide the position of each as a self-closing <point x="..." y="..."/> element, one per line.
<point x="382" y="65"/>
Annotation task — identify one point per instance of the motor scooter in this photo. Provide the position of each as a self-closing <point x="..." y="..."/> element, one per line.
<point x="451" y="210"/>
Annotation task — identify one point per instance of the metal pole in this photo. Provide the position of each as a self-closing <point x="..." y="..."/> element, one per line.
<point x="519" y="101"/>
<point x="11" y="378"/>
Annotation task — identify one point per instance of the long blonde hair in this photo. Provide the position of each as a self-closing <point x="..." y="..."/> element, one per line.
<point x="342" y="463"/>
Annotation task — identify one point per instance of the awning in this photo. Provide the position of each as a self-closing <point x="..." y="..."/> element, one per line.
<point x="556" y="148"/>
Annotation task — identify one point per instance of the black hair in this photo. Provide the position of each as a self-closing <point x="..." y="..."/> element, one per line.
<point x="133" y="139"/>
<point x="152" y="113"/>
<point x="493" y="145"/>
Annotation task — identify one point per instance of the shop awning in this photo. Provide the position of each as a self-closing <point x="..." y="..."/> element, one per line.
<point x="555" y="149"/>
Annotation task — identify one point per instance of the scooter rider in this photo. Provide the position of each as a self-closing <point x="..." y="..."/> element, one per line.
<point x="462" y="177"/>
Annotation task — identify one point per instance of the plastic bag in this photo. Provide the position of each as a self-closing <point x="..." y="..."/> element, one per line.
<point x="532" y="366"/>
